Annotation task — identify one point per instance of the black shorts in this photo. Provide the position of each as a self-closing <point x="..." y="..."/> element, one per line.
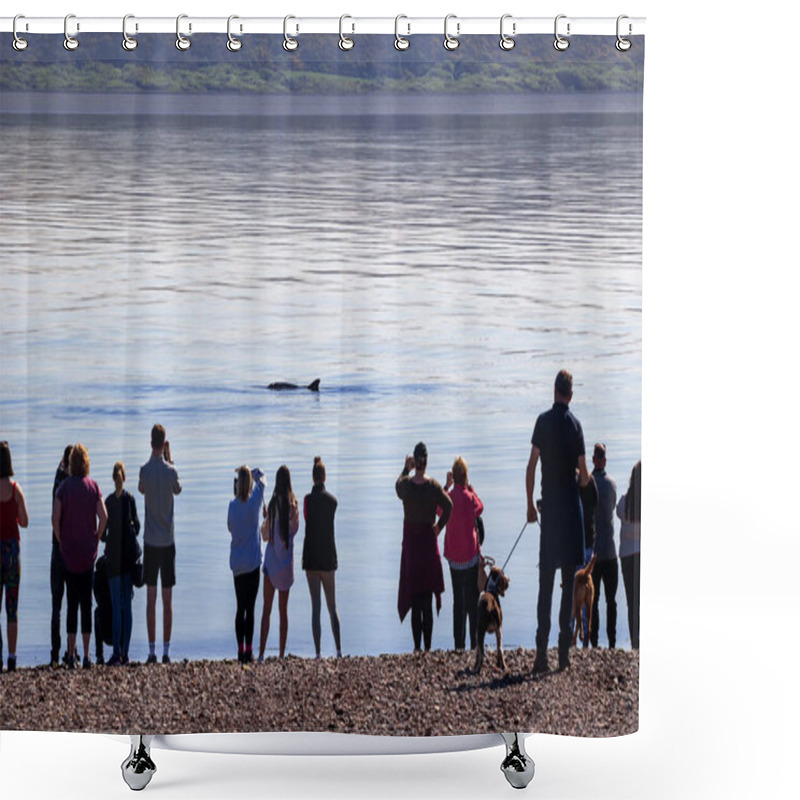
<point x="159" y="559"/>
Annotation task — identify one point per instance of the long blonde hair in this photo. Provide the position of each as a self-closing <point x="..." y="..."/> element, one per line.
<point x="460" y="471"/>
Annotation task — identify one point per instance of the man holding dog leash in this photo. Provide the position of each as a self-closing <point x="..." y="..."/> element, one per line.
<point x="558" y="441"/>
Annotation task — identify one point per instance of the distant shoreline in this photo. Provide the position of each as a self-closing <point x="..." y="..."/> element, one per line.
<point x="424" y="694"/>
<point x="379" y="103"/>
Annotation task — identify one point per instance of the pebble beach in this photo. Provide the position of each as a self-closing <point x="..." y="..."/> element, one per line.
<point x="414" y="694"/>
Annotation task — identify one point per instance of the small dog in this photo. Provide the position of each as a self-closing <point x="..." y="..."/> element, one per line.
<point x="490" y="616"/>
<point x="583" y="597"/>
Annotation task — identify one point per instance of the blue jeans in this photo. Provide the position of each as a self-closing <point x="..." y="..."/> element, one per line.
<point x="121" y="615"/>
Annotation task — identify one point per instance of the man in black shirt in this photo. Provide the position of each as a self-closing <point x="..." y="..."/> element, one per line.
<point x="558" y="441"/>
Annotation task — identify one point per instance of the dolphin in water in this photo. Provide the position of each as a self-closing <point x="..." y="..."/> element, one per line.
<point x="279" y="386"/>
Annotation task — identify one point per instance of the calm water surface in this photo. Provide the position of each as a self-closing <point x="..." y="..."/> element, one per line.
<point x="433" y="264"/>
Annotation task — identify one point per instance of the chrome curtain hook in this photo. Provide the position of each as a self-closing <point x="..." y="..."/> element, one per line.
<point x="451" y="42"/>
<point x="507" y="42"/>
<point x="561" y="43"/>
<point x="181" y="42"/>
<point x="128" y="42"/>
<point x="233" y="44"/>
<point x="622" y="44"/>
<point x="19" y="43"/>
<point x="70" y="42"/>
<point x="289" y="44"/>
<point x="401" y="42"/>
<point x="344" y="42"/>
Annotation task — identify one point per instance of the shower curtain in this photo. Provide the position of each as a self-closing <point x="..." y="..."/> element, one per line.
<point x="402" y="287"/>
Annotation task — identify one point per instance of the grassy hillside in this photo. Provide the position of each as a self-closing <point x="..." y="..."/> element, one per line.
<point x="318" y="66"/>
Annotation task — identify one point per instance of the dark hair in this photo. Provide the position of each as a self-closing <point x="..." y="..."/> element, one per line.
<point x="633" y="497"/>
<point x="318" y="471"/>
<point x="6" y="470"/>
<point x="281" y="501"/>
<point x="244" y="483"/>
<point x="158" y="435"/>
<point x="118" y="473"/>
<point x="599" y="450"/>
<point x="564" y="383"/>
<point x="65" y="457"/>
<point x="420" y="456"/>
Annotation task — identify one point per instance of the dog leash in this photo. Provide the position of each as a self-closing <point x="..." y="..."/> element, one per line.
<point x="515" y="545"/>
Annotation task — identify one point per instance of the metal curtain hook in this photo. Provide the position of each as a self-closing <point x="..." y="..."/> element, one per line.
<point x="401" y="42"/>
<point x="128" y="42"/>
<point x="507" y="42"/>
<point x="622" y="44"/>
<point x="561" y="43"/>
<point x="182" y="43"/>
<point x="289" y="44"/>
<point x="70" y="42"/>
<point x="451" y="42"/>
<point x="233" y="44"/>
<point x="344" y="42"/>
<point x="19" y="43"/>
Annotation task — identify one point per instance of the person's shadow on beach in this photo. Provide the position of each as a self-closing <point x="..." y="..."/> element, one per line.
<point x="498" y="682"/>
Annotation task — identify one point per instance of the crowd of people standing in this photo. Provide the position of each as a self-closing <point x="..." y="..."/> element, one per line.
<point x="82" y="518"/>
<point x="576" y="511"/>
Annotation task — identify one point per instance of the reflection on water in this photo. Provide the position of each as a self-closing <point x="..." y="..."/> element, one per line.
<point x="434" y="271"/>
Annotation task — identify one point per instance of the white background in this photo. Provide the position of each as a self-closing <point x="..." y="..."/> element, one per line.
<point x="718" y="711"/>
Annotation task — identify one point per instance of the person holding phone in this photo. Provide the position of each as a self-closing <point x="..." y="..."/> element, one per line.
<point x="159" y="483"/>
<point x="421" y="575"/>
<point x="244" y="516"/>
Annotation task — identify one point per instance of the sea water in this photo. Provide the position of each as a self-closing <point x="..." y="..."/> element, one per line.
<point x="434" y="264"/>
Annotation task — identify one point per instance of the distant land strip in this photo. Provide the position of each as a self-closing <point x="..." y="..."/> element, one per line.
<point x="591" y="63"/>
<point x="223" y="78"/>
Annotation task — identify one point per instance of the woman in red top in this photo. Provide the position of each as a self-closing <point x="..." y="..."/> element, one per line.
<point x="13" y="516"/>
<point x="462" y="551"/>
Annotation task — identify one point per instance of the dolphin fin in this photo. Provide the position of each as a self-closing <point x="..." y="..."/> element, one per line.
<point x="313" y="386"/>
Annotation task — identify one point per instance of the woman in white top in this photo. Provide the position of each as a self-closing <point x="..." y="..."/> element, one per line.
<point x="629" y="510"/>
<point x="278" y="531"/>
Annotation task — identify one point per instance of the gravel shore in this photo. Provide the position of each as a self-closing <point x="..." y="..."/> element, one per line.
<point x="425" y="694"/>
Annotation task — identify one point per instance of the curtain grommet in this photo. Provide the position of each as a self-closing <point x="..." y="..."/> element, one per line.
<point x="70" y="42"/>
<point x="507" y="42"/>
<point x="561" y="43"/>
<point x="129" y="43"/>
<point x="401" y="43"/>
<point x="622" y="44"/>
<point x="289" y="44"/>
<point x="181" y="42"/>
<point x="19" y="44"/>
<point x="345" y="43"/>
<point x="233" y="44"/>
<point x="451" y="42"/>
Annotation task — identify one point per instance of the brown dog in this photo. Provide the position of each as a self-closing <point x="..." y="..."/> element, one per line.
<point x="583" y="597"/>
<point x="490" y="616"/>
